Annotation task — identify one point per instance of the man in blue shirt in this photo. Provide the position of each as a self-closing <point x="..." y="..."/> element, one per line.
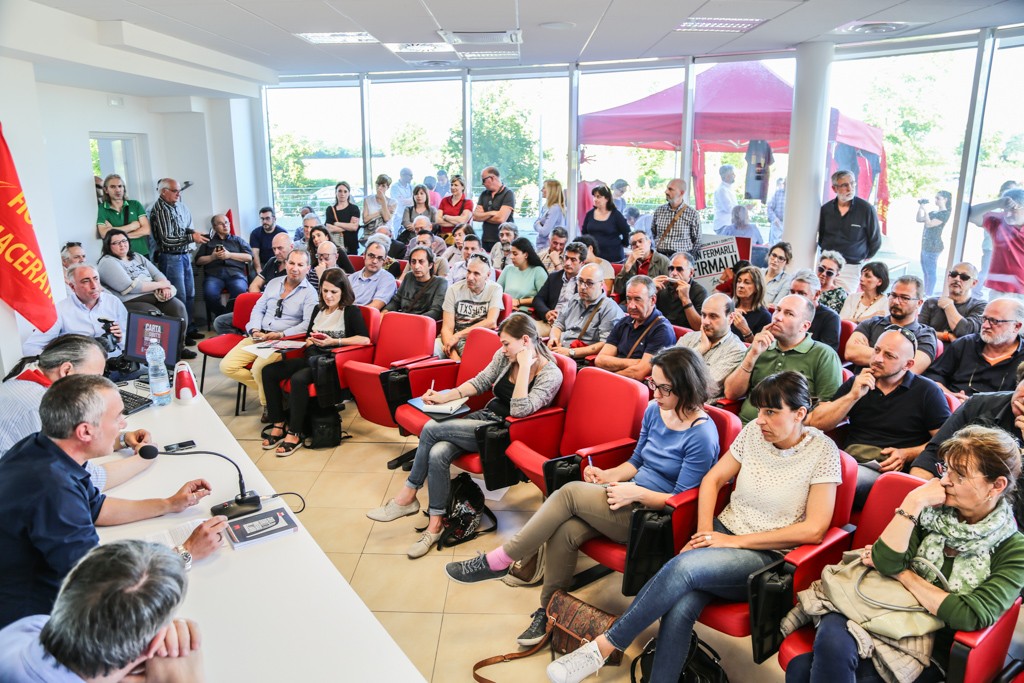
<point x="637" y="336"/>
<point x="261" y="238"/>
<point x="50" y="506"/>
<point x="373" y="286"/>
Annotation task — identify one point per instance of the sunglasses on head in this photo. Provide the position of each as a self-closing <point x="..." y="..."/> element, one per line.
<point x="907" y="334"/>
<point x="68" y="245"/>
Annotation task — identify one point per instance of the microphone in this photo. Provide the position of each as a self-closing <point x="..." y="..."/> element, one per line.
<point x="246" y="502"/>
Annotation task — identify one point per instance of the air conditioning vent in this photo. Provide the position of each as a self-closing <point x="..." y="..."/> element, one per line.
<point x="511" y="37"/>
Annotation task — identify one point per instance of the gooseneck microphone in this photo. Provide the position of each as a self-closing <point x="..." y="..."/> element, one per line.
<point x="246" y="502"/>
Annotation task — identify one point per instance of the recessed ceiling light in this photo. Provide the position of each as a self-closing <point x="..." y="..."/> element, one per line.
<point x="345" y="38"/>
<point x="419" y="47"/>
<point x="874" y="28"/>
<point x="558" y="25"/>
<point x="490" y="54"/>
<point x="718" y="25"/>
<point x="511" y="37"/>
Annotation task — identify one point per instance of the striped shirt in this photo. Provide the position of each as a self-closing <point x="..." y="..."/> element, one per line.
<point x="172" y="226"/>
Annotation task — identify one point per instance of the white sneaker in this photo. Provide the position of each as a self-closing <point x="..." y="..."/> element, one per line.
<point x="393" y="511"/>
<point x="577" y="665"/>
<point x="423" y="546"/>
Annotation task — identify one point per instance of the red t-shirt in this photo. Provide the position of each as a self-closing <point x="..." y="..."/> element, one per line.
<point x="447" y="209"/>
<point x="1006" y="273"/>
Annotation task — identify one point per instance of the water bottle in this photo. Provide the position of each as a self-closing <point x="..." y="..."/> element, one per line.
<point x="159" y="385"/>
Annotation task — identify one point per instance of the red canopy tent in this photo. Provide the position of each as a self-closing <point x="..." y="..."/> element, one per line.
<point x="734" y="103"/>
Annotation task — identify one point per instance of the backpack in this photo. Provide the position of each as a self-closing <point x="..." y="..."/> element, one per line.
<point x="464" y="513"/>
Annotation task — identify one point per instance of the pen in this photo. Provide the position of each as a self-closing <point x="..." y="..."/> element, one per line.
<point x="590" y="462"/>
<point x="431" y="385"/>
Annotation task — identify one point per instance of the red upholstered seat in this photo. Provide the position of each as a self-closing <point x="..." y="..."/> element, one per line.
<point x="506" y="307"/>
<point x="356" y="261"/>
<point x="846" y="328"/>
<point x="219" y="346"/>
<point x="681" y="331"/>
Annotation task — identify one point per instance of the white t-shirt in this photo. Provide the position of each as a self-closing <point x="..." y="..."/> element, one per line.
<point x="773" y="485"/>
<point x="470" y="308"/>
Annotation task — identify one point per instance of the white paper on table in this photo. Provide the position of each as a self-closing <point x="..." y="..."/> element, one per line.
<point x="177" y="535"/>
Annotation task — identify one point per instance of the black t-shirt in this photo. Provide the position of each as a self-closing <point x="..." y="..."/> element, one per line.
<point x="901" y="419"/>
<point x="503" y="197"/>
<point x="668" y="303"/>
<point x="349" y="238"/>
<point x="270" y="271"/>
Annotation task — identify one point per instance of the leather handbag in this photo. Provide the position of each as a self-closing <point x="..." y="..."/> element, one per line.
<point x="650" y="546"/>
<point x="703" y="664"/>
<point x="492" y="441"/>
<point x="528" y="571"/>
<point x="571" y="624"/>
<point x="397" y="389"/>
<point x="880" y="604"/>
<point x="560" y="471"/>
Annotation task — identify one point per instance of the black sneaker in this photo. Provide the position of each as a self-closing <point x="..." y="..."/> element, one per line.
<point x="538" y="627"/>
<point x="189" y="354"/>
<point x="473" y="570"/>
<point x="195" y="335"/>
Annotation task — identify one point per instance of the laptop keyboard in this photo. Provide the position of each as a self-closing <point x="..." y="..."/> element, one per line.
<point x="133" y="403"/>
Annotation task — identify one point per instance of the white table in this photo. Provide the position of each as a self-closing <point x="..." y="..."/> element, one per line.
<point x="277" y="611"/>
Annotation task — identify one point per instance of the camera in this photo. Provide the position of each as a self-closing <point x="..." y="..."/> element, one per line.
<point x="922" y="201"/>
<point x="107" y="340"/>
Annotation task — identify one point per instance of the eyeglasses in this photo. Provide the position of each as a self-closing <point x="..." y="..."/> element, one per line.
<point x="778" y="257"/>
<point x="636" y="243"/>
<point x="994" y="321"/>
<point x="172" y="191"/>
<point x="907" y="334"/>
<point x="369" y="257"/>
<point x="588" y="283"/>
<point x="68" y="245"/>
<point x="488" y="177"/>
<point x="280" y="308"/>
<point x="117" y="243"/>
<point x="827" y="272"/>
<point x="963" y="276"/>
<point x="903" y="297"/>
<point x="946" y="471"/>
<point x="663" y="388"/>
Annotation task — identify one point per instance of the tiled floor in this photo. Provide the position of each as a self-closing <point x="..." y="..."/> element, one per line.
<point x="442" y="626"/>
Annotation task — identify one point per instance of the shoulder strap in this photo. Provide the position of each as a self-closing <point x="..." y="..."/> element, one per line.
<point x="641" y="338"/>
<point x="671" y="225"/>
<point x="511" y="656"/>
<point x="590" y="318"/>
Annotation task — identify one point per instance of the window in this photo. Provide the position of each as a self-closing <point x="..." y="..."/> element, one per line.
<point x="120" y="154"/>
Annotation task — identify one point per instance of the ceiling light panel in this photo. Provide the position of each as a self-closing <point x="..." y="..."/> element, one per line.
<point x="718" y="25"/>
<point x="343" y="38"/>
<point x="419" y="48"/>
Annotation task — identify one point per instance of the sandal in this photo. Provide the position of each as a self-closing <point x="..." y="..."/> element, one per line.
<point x="285" y="449"/>
<point x="271" y="440"/>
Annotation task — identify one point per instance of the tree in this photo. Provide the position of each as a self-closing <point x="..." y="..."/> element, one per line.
<point x="650" y="163"/>
<point x="410" y="140"/>
<point x="288" y="172"/>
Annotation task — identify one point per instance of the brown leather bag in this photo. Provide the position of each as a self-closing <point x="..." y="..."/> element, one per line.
<point x="571" y="624"/>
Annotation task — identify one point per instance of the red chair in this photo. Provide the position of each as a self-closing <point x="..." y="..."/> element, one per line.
<point x="617" y="267"/>
<point x="356" y="261"/>
<point x="506" y="307"/>
<point x="579" y="431"/>
<point x="680" y="331"/>
<point x="807" y="561"/>
<point x="683" y="505"/>
<point x="975" y="656"/>
<point x="345" y="354"/>
<point x="219" y="346"/>
<point x="404" y="339"/>
<point x="846" y="328"/>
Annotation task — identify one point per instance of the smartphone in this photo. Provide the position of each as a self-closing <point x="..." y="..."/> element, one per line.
<point x="180" y="446"/>
<point x="318" y="335"/>
<point x="219" y="247"/>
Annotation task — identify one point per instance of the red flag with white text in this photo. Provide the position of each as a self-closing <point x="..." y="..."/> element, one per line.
<point x="24" y="284"/>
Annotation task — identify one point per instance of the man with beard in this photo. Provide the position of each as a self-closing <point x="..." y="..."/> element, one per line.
<point x="957" y="313"/>
<point x="785" y="345"/>
<point x="848" y="224"/>
<point x="583" y="326"/>
<point x="473" y="302"/>
<point x="720" y="348"/>
<point x="422" y="292"/>
<point x="985" y="361"/>
<point x="904" y="306"/>
<point x="893" y="412"/>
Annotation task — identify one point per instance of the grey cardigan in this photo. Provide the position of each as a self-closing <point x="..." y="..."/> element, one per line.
<point x="125" y="280"/>
<point x="542" y="393"/>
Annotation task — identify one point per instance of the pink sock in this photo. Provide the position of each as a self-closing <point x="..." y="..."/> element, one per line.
<point x="498" y="559"/>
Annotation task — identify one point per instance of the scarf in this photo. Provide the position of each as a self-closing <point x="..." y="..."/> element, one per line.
<point x="973" y="542"/>
<point x="32" y="373"/>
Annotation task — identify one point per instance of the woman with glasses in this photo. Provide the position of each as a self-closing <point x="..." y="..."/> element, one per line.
<point x="871" y="301"/>
<point x="830" y="264"/>
<point x="786" y="477"/>
<point x="342" y="219"/>
<point x="776" y="281"/>
<point x="678" y="445"/>
<point x="552" y="213"/>
<point x="420" y="207"/>
<point x="963" y="524"/>
<point x="750" y="316"/>
<point x="456" y="209"/>
<point x="524" y="278"/>
<point x="317" y="236"/>
<point x="607" y="225"/>
<point x="336" y="323"/>
<point x="136" y="281"/>
<point x="378" y="208"/>
<point x="523" y="377"/>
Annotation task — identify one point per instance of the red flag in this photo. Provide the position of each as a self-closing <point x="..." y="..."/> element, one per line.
<point x="231" y="222"/>
<point x="24" y="284"/>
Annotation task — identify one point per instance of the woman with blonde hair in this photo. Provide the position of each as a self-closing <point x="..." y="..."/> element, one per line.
<point x="552" y="212"/>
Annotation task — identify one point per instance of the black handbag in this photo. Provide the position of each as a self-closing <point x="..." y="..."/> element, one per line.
<point x="771" y="597"/>
<point x="560" y="471"/>
<point x="397" y="389"/>
<point x="325" y="379"/>
<point x="325" y="429"/>
<point x="703" y="664"/>
<point x="650" y="547"/>
<point x="492" y="441"/>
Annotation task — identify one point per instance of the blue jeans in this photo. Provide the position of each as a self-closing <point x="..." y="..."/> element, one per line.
<point x="223" y="324"/>
<point x="212" y="287"/>
<point x="440" y="444"/>
<point x="178" y="269"/>
<point x="929" y="264"/>
<point x="678" y="593"/>
<point x="835" y="659"/>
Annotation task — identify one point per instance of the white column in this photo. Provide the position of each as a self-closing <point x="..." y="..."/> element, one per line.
<point x="808" y="142"/>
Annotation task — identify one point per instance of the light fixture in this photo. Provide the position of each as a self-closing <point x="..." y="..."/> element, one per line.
<point x="718" y="25"/>
<point x="342" y="38"/>
<point x="558" y="25"/>
<point x="490" y="54"/>
<point x="419" y="47"/>
<point x="875" y="28"/>
<point x="510" y="37"/>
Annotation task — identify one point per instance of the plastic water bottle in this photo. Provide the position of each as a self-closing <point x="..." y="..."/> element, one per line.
<point x="159" y="385"/>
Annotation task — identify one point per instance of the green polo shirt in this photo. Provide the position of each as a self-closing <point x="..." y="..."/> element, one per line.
<point x="812" y="359"/>
<point x="134" y="209"/>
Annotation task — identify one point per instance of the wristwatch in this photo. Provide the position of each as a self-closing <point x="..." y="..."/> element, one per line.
<point x="185" y="555"/>
<point x="122" y="440"/>
<point x="572" y="353"/>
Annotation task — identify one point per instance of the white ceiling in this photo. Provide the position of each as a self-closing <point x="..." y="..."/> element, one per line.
<point x="261" y="31"/>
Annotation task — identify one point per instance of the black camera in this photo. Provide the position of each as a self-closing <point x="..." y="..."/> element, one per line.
<point x="922" y="201"/>
<point x="107" y="340"/>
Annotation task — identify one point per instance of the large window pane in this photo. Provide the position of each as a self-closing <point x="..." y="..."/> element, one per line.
<point x="521" y="127"/>
<point x="415" y="125"/>
<point x="999" y="163"/>
<point x="911" y="99"/>
<point x="315" y="141"/>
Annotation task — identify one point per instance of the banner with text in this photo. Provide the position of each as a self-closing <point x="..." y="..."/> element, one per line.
<point x="715" y="254"/>
<point x="24" y="284"/>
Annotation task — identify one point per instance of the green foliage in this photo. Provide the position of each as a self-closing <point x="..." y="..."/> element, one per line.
<point x="650" y="163"/>
<point x="1013" y="152"/>
<point x="288" y="173"/>
<point x="94" y="152"/>
<point x="410" y="140"/>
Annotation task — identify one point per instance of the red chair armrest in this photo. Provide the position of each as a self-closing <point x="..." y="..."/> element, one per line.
<point x="441" y="373"/>
<point x="350" y="349"/>
<point x="809" y="560"/>
<point x="979" y="655"/>
<point x="733" y="405"/>
<point x="609" y="454"/>
<point x="541" y="431"/>
<point x="683" y="506"/>
<point x="412" y="360"/>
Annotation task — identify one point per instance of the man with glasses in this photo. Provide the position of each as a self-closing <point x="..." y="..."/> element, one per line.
<point x="284" y="310"/>
<point x="675" y="226"/>
<point x="956" y="313"/>
<point x="421" y="292"/>
<point x="171" y="224"/>
<point x="848" y="224"/>
<point x="786" y="345"/>
<point x="642" y="260"/>
<point x="496" y="206"/>
<point x="457" y="272"/>
<point x="904" y="307"/>
<point x="1003" y="220"/>
<point x="224" y="260"/>
<point x="892" y="411"/>
<point x="373" y="286"/>
<point x="638" y="335"/>
<point x="583" y="326"/>
<point x="680" y="297"/>
<point x="985" y="361"/>
<point x="560" y="287"/>
<point x="117" y="211"/>
<point x="501" y="253"/>
<point x="826" y="325"/>
<point x="473" y="302"/>
<point x="715" y="341"/>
